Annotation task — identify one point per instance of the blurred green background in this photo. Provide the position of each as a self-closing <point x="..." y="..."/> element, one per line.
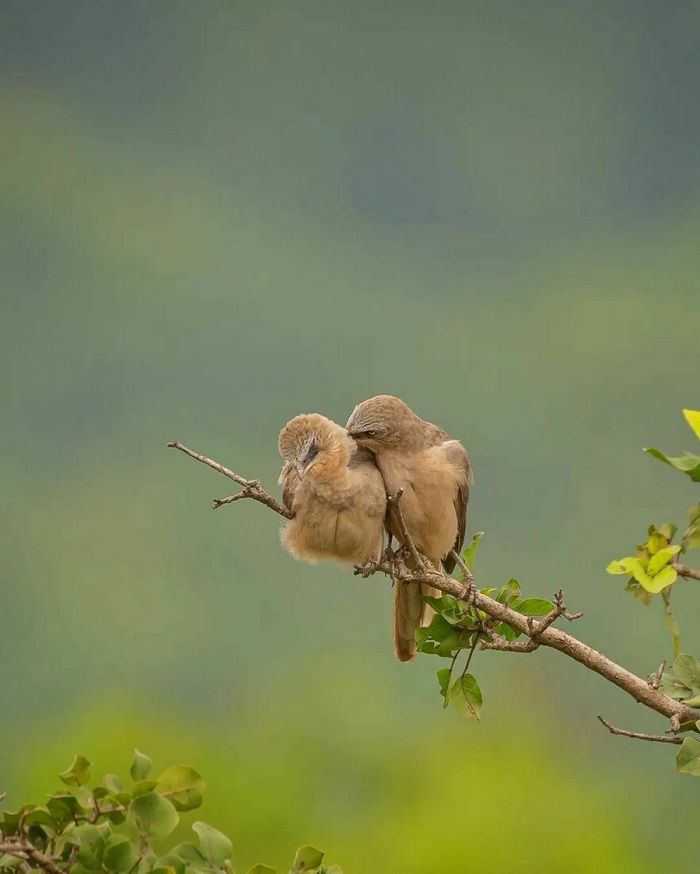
<point x="216" y="215"/>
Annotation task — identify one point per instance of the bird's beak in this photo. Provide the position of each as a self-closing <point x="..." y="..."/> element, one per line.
<point x="355" y="434"/>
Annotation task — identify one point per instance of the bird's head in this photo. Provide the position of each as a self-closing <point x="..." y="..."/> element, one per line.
<point x="380" y="422"/>
<point x="308" y="439"/>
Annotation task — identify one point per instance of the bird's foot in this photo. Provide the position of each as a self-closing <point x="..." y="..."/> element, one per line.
<point x="366" y="570"/>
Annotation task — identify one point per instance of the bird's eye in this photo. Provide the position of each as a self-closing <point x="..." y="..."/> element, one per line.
<point x="370" y="433"/>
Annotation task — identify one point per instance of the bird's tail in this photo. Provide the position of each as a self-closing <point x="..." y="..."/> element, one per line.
<point x="410" y="613"/>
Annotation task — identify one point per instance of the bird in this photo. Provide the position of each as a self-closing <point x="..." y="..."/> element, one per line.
<point x="335" y="491"/>
<point x="433" y="473"/>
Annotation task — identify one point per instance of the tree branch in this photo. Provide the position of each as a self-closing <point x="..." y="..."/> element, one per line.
<point x="546" y="635"/>
<point x="685" y="571"/>
<point x="640" y="735"/>
<point x="24" y="850"/>
<point x="252" y="488"/>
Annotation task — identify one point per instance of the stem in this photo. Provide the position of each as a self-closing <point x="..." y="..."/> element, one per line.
<point x="671" y="622"/>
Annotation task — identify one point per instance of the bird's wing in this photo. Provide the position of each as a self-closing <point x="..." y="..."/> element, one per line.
<point x="289" y="480"/>
<point x="459" y="459"/>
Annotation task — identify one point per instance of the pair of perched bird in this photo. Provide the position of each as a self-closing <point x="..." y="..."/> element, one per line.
<point x="336" y="480"/>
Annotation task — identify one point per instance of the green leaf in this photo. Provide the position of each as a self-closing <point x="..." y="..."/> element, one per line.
<point x="306" y="858"/>
<point x="120" y="854"/>
<point x="77" y="773"/>
<point x="215" y="845"/>
<point x="143" y="787"/>
<point x="665" y="577"/>
<point x="668" y="530"/>
<point x="533" y="606"/>
<point x="661" y="559"/>
<point x="443" y="677"/>
<point x="261" y="869"/>
<point x="441" y="638"/>
<point x="42" y="816"/>
<point x="465" y="695"/>
<point x="90" y="841"/>
<point x="183" y="786"/>
<point x="688" y="758"/>
<point x="140" y="767"/>
<point x="192" y="855"/>
<point x="155" y="815"/>
<point x="692" y="417"/>
<point x="691" y="537"/>
<point x="469" y="554"/>
<point x="687" y="669"/>
<point x="113" y="783"/>
<point x="687" y="463"/>
<point x="174" y="862"/>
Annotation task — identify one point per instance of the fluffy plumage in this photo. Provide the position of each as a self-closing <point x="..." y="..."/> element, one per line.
<point x="335" y="491"/>
<point x="434" y="472"/>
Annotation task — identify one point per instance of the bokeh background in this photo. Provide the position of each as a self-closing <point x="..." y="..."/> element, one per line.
<point x="216" y="215"/>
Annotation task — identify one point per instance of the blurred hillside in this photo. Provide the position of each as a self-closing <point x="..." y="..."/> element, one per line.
<point x="214" y="216"/>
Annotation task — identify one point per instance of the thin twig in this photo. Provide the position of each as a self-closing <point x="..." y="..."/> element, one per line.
<point x="640" y="735"/>
<point x="559" y="609"/>
<point x="468" y="575"/>
<point x="684" y="571"/>
<point x="252" y="488"/>
<point x="671" y="622"/>
<point x="654" y="679"/>
<point x="394" y="502"/>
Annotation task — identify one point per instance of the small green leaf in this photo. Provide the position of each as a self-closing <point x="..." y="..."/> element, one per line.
<point x="687" y="463"/>
<point x="692" y="417"/>
<point x="215" y="845"/>
<point x="306" y="859"/>
<point x="687" y="669"/>
<point x="143" y="787"/>
<point x="665" y="577"/>
<point x="120" y="854"/>
<point x="441" y="638"/>
<point x="533" y="606"/>
<point x="172" y="861"/>
<point x="688" y="758"/>
<point x="261" y="869"/>
<point x="77" y="773"/>
<point x="140" y="767"/>
<point x="661" y="559"/>
<point x="465" y="695"/>
<point x="668" y="530"/>
<point x="183" y="786"/>
<point x="155" y="815"/>
<point x="113" y="783"/>
<point x="190" y="854"/>
<point x="443" y="677"/>
<point x="509" y="593"/>
<point x="469" y="554"/>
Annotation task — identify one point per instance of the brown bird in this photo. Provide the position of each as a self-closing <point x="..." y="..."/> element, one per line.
<point x="435" y="473"/>
<point x="335" y="491"/>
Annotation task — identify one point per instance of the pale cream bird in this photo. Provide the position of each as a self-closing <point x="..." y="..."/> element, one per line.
<point x="435" y="473"/>
<point x="335" y="491"/>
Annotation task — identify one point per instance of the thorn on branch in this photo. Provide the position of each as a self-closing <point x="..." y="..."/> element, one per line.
<point x="654" y="680"/>
<point x="640" y="735"/>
